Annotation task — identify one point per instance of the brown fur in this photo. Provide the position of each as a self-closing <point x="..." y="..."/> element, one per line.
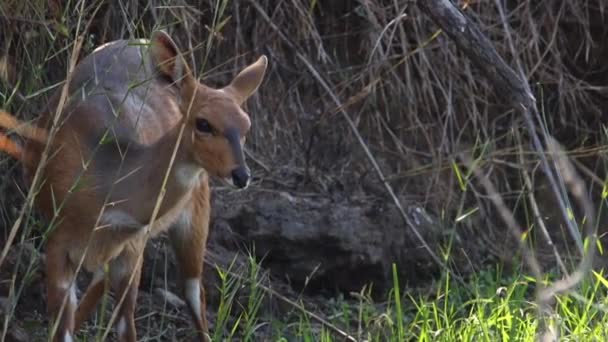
<point x="101" y="196"/>
<point x="10" y="147"/>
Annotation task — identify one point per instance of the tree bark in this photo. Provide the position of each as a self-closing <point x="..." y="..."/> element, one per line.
<point x="468" y="38"/>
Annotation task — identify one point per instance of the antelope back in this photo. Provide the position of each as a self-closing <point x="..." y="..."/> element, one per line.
<point x="127" y="103"/>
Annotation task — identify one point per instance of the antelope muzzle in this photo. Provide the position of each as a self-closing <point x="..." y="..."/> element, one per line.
<point x="241" y="175"/>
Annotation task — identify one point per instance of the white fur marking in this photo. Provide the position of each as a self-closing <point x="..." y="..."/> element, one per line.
<point x="193" y="296"/>
<point x="71" y="291"/>
<point x="142" y="41"/>
<point x="121" y="326"/>
<point x="184" y="221"/>
<point x="229" y="181"/>
<point x="68" y="337"/>
<point x="188" y="175"/>
<point x="64" y="285"/>
<point x="98" y="276"/>
<point x="73" y="299"/>
<point x="134" y="41"/>
<point x="103" y="46"/>
<point x="119" y="219"/>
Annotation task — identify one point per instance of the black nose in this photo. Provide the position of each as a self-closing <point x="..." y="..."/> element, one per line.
<point x="240" y="176"/>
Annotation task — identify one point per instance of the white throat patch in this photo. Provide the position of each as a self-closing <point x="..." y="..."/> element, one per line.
<point x="188" y="175"/>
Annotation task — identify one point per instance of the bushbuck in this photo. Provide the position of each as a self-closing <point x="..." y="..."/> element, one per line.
<point x="136" y="124"/>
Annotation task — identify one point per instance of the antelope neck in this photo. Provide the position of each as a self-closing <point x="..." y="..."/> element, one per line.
<point x="184" y="172"/>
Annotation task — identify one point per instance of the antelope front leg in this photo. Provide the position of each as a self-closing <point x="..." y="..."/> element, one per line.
<point x="61" y="291"/>
<point x="122" y="268"/>
<point x="90" y="298"/>
<point x="189" y="239"/>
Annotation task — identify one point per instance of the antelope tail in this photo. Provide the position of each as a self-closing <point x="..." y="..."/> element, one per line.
<point x="23" y="129"/>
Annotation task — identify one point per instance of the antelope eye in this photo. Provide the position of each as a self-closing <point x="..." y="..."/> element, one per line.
<point x="202" y="125"/>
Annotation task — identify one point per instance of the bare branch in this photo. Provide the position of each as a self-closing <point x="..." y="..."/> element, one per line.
<point x="512" y="88"/>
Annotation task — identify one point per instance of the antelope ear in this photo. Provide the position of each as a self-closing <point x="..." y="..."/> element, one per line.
<point x="167" y="58"/>
<point x="248" y="80"/>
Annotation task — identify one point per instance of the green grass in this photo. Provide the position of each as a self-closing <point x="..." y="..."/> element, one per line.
<point x="493" y="307"/>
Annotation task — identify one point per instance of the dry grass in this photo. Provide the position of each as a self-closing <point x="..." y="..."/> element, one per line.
<point x="416" y="101"/>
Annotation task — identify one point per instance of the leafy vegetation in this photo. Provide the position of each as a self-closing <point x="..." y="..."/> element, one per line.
<point x="493" y="306"/>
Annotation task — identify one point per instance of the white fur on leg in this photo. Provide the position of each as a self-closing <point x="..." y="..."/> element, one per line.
<point x="98" y="275"/>
<point x="71" y="289"/>
<point x="68" y="337"/>
<point x="121" y="326"/>
<point x="193" y="296"/>
<point x="73" y="299"/>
